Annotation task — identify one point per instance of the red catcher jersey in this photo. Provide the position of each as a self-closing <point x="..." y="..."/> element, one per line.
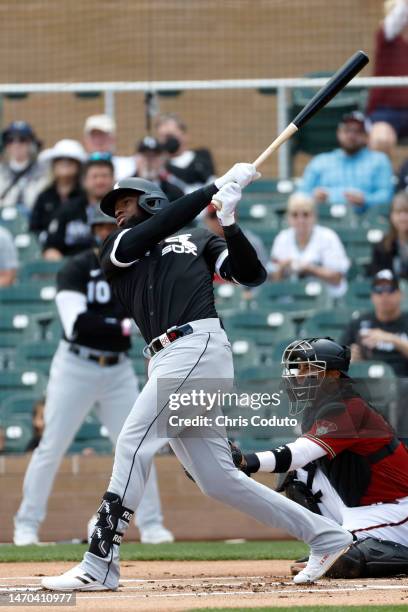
<point x="363" y="431"/>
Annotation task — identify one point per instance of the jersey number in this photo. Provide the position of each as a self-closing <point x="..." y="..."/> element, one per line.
<point x="99" y="291"/>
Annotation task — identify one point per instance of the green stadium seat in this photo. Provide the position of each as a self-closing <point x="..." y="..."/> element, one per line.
<point x="18" y="432"/>
<point x="245" y="354"/>
<point x="358" y="242"/>
<point x="37" y="354"/>
<point x="358" y="295"/>
<point x="12" y="327"/>
<point x="327" y="323"/>
<point x="259" y="215"/>
<point x="337" y="216"/>
<point x="319" y="134"/>
<point x="379" y="381"/>
<point x="27" y="247"/>
<point x="39" y="270"/>
<point x="19" y="380"/>
<point x="377" y="217"/>
<point x="93" y="435"/>
<point x="19" y="403"/>
<point x="28" y="298"/>
<point x="298" y="297"/>
<point x="263" y="328"/>
<point x="43" y="326"/>
<point x="229" y="298"/>
<point x="14" y="220"/>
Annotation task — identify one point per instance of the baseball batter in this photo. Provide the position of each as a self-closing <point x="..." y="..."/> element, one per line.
<point x="348" y="465"/>
<point x="89" y="368"/>
<point x="163" y="276"/>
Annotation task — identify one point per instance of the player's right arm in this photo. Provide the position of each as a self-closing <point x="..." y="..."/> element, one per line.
<point x="124" y="248"/>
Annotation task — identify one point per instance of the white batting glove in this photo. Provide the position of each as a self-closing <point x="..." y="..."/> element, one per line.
<point x="229" y="195"/>
<point x="243" y="174"/>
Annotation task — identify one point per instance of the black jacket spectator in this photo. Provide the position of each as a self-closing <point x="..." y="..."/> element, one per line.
<point x="69" y="231"/>
<point x="47" y="205"/>
<point x="392" y="252"/>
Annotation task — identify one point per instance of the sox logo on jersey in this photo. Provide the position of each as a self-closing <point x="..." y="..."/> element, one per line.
<point x="180" y="244"/>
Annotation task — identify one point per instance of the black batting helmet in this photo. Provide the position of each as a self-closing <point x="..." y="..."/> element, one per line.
<point x="320" y="355"/>
<point x="152" y="199"/>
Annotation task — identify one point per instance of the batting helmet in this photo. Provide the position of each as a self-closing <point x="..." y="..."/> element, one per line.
<point x="151" y="198"/>
<point x="319" y="355"/>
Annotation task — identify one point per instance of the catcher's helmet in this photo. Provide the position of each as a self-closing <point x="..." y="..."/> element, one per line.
<point x="152" y="199"/>
<point x="320" y="355"/>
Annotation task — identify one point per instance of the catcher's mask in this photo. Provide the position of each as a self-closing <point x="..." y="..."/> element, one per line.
<point x="305" y="364"/>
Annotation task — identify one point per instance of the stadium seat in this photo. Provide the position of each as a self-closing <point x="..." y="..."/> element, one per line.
<point x="43" y="326"/>
<point x="245" y="354"/>
<point x="337" y="216"/>
<point x="358" y="295"/>
<point x="27" y="247"/>
<point x="19" y="380"/>
<point x="19" y="403"/>
<point x="28" y="298"/>
<point x="263" y="328"/>
<point x="319" y="134"/>
<point x="378" y="383"/>
<point x="36" y="353"/>
<point x="327" y="323"/>
<point x="358" y="242"/>
<point x="377" y="217"/>
<point x="14" y="220"/>
<point x="229" y="298"/>
<point x="92" y="435"/>
<point x="298" y="297"/>
<point x="12" y="327"/>
<point x="39" y="270"/>
<point x="18" y="432"/>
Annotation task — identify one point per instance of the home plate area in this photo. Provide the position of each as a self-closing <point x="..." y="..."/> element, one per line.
<point x="188" y="585"/>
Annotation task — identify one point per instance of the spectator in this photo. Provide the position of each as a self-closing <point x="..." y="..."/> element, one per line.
<point x="212" y="223"/>
<point x="382" y="335"/>
<point x="38" y="424"/>
<point x="151" y="160"/>
<point x="100" y="137"/>
<point x="306" y="249"/>
<point x="403" y="177"/>
<point x="22" y="176"/>
<point x="390" y="105"/>
<point x="392" y="252"/>
<point x="66" y="157"/>
<point x="191" y="169"/>
<point x="69" y="232"/>
<point x="352" y="174"/>
<point x="8" y="258"/>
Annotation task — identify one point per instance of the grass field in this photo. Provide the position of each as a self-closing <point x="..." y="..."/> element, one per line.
<point x="179" y="551"/>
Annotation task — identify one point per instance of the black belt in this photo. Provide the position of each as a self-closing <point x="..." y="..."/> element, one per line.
<point x="172" y="334"/>
<point x="102" y="360"/>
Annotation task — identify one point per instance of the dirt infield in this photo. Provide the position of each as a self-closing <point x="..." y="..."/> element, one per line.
<point x="162" y="586"/>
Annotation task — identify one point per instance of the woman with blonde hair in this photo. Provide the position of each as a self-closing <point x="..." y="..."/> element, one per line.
<point x="306" y="249"/>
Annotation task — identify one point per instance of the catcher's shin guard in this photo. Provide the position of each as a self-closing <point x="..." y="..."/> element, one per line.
<point x="371" y="558"/>
<point x="111" y="515"/>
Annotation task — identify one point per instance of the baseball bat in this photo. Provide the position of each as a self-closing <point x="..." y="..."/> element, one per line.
<point x="337" y="82"/>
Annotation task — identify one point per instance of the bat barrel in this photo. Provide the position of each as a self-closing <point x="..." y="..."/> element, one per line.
<point x="339" y="80"/>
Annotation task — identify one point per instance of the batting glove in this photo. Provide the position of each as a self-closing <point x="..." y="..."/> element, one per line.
<point x="228" y="196"/>
<point x="243" y="174"/>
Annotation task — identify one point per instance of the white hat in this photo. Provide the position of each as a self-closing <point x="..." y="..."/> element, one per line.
<point x="66" y="148"/>
<point x="103" y="123"/>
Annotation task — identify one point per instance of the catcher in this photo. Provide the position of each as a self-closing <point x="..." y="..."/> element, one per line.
<point x="347" y="464"/>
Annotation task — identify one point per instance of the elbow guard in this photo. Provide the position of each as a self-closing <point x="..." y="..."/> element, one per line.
<point x="283" y="458"/>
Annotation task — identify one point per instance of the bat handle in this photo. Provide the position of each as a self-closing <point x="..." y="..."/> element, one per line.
<point x="283" y="137"/>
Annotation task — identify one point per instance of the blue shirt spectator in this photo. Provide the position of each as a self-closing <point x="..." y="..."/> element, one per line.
<point x="351" y="174"/>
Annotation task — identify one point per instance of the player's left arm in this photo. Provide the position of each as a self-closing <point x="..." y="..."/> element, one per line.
<point x="238" y="261"/>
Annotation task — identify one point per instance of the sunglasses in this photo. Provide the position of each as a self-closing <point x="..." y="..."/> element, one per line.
<point x="21" y="139"/>
<point x="304" y="214"/>
<point x="384" y="289"/>
<point x="100" y="156"/>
